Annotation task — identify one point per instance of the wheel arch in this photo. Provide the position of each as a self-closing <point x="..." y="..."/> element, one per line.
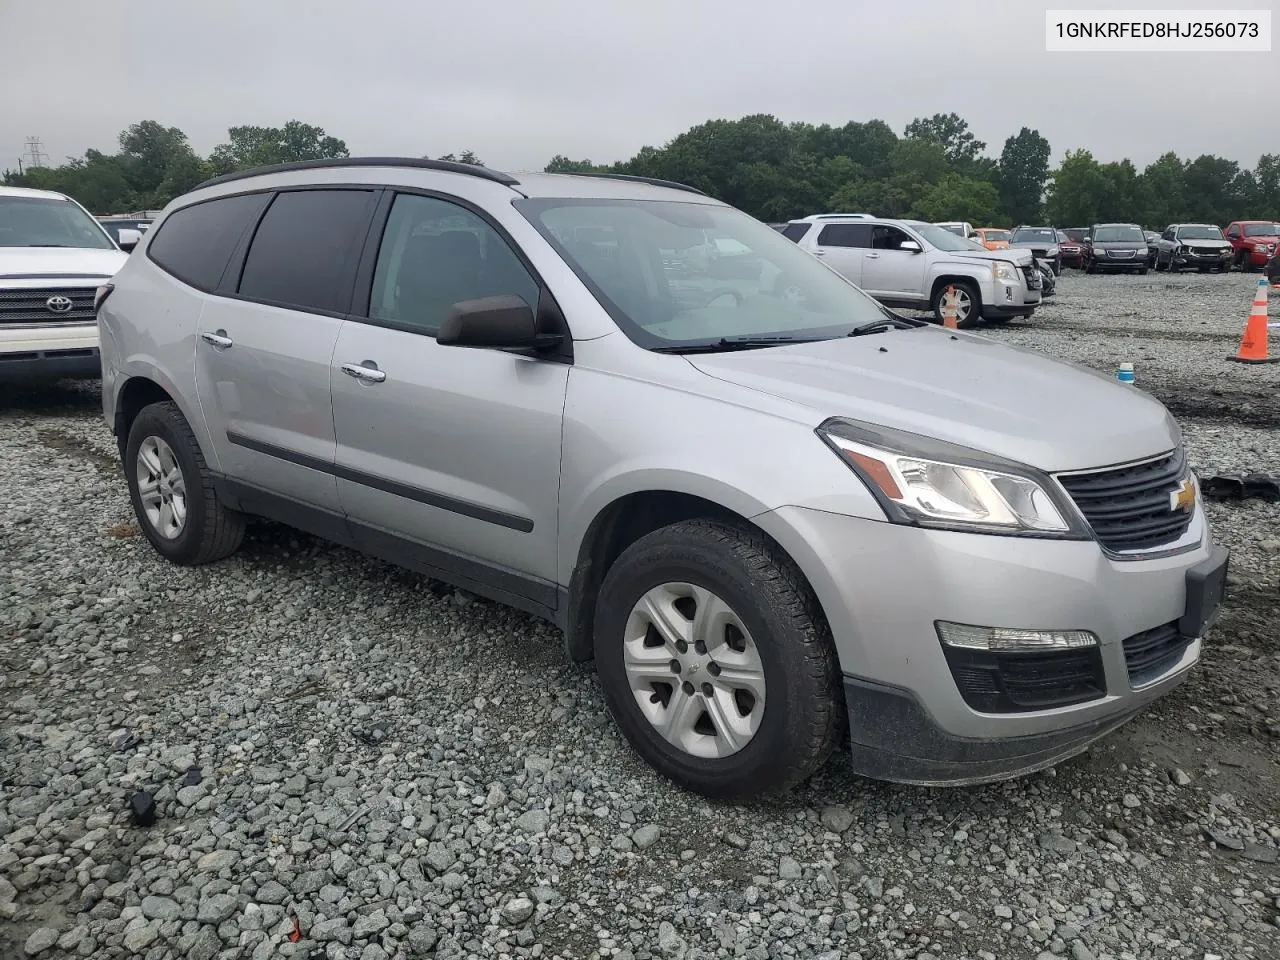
<point x="625" y="519"/>
<point x="142" y="389"/>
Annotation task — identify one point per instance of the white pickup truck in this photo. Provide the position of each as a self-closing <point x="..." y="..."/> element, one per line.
<point x="53" y="257"/>
<point x="910" y="264"/>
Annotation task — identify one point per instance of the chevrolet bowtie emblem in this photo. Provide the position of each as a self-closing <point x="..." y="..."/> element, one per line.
<point x="1184" y="498"/>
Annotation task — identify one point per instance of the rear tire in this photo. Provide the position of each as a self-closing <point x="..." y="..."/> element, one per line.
<point x="1142" y="272"/>
<point x="172" y="491"/>
<point x="1089" y="266"/>
<point x="753" y="597"/>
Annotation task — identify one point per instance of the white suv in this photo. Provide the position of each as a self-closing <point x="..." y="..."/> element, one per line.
<point x="53" y="257"/>
<point x="911" y="264"/>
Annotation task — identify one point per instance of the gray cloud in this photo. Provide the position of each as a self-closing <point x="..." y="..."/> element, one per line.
<point x="520" y="81"/>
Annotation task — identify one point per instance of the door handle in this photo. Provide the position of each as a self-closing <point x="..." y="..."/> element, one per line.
<point x="819" y="253"/>
<point x="367" y="371"/>
<point x="873" y="256"/>
<point x="218" y="339"/>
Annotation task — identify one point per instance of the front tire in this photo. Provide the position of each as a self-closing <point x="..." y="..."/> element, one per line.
<point x="968" y="304"/>
<point x="716" y="661"/>
<point x="172" y="491"/>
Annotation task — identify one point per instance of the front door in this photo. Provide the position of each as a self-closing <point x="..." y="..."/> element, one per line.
<point x="453" y="451"/>
<point x="890" y="271"/>
<point x="265" y="351"/>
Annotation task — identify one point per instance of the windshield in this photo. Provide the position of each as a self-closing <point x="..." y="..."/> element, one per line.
<point x="1063" y="238"/>
<point x="675" y="274"/>
<point x="1262" y="229"/>
<point x="1120" y="234"/>
<point x="996" y="235"/>
<point x="944" y="239"/>
<point x="45" y="222"/>
<point x="1200" y="232"/>
<point x="1034" y="235"/>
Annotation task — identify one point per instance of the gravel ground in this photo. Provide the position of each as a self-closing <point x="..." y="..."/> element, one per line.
<point x="383" y="767"/>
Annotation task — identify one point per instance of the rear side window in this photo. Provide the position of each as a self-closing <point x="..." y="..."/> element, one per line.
<point x="195" y="243"/>
<point x="304" y="251"/>
<point x="845" y="235"/>
<point x="795" y="231"/>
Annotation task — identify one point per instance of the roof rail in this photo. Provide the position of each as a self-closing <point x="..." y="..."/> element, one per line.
<point x="651" y="180"/>
<point x="419" y="163"/>
<point x="839" y="216"/>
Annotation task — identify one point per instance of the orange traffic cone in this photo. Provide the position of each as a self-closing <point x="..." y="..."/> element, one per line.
<point x="949" y="311"/>
<point x="1253" y="345"/>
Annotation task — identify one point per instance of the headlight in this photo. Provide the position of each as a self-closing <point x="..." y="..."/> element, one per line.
<point x="926" y="482"/>
<point x="1260" y="247"/>
<point x="1004" y="270"/>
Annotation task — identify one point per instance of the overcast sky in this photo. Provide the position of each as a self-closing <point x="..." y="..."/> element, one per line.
<point x="518" y="81"/>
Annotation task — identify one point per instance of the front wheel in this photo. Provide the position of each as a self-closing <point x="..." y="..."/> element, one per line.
<point x="172" y="490"/>
<point x="968" y="304"/>
<point x="1089" y="266"/>
<point x="716" y="661"/>
<point x="1142" y="272"/>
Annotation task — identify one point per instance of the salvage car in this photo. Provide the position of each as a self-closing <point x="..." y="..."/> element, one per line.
<point x="1254" y="241"/>
<point x="779" y="525"/>
<point x="1153" y="239"/>
<point x="1198" y="245"/>
<point x="1070" y="251"/>
<point x="1041" y="241"/>
<point x="912" y="265"/>
<point x="993" y="238"/>
<point x="1119" y="247"/>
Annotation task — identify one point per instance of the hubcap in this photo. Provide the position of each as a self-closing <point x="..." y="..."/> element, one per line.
<point x="963" y="304"/>
<point x="694" y="670"/>
<point x="161" y="488"/>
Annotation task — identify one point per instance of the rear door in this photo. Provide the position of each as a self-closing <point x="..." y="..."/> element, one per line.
<point x="266" y="344"/>
<point x="890" y="271"/>
<point x="842" y="247"/>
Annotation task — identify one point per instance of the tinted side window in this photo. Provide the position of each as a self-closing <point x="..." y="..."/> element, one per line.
<point x="795" y="231"/>
<point x="888" y="238"/>
<point x="195" y="243"/>
<point x="434" y="254"/>
<point x="1233" y="231"/>
<point x="304" y="251"/>
<point x="845" y="235"/>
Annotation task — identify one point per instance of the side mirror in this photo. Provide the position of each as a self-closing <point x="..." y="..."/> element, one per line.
<point x="129" y="238"/>
<point x="909" y="245"/>
<point x="498" y="323"/>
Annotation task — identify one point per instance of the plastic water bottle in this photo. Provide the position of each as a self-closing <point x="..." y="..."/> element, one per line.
<point x="1125" y="374"/>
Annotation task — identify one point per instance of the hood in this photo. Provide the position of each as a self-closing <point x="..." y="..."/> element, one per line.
<point x="1265" y="238"/>
<point x="1035" y="244"/>
<point x="1018" y="255"/>
<point x="955" y="386"/>
<point x="1204" y="244"/>
<point x="42" y="264"/>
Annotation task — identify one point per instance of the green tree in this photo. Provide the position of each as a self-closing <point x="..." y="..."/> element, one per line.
<point x="957" y="197"/>
<point x="1024" y="172"/>
<point x="252" y="146"/>
<point x="467" y="156"/>
<point x="158" y="162"/>
<point x="951" y="131"/>
<point x="1163" y="191"/>
<point x="1075" y="190"/>
<point x="562" y="164"/>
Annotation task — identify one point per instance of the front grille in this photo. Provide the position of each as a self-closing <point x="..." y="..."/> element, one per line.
<point x="31" y="306"/>
<point x="1130" y="508"/>
<point x="1122" y="254"/>
<point x="1019" y="682"/>
<point x="1153" y="652"/>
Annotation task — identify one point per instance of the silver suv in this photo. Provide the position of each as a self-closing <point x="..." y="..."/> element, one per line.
<point x="776" y="522"/>
<point x="910" y="264"/>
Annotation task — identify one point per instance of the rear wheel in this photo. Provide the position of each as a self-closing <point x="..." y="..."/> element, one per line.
<point x="172" y="490"/>
<point x="716" y="661"/>
<point x="1089" y="266"/>
<point x="1142" y="272"/>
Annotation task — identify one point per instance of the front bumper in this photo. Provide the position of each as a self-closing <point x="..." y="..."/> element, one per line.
<point x="49" y="353"/>
<point x="1191" y="260"/>
<point x="1258" y="258"/>
<point x="882" y="587"/>
<point x="1117" y="263"/>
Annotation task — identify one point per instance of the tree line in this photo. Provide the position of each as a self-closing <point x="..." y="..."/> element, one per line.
<point x="936" y="170"/>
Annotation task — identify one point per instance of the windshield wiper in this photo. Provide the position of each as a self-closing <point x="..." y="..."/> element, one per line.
<point x="725" y="344"/>
<point x="890" y="321"/>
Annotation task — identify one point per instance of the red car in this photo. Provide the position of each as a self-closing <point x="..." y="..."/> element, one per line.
<point x="1072" y="250"/>
<point x="1255" y="242"/>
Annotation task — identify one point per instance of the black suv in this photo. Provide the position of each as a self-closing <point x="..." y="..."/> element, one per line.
<point x="1115" y="246"/>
